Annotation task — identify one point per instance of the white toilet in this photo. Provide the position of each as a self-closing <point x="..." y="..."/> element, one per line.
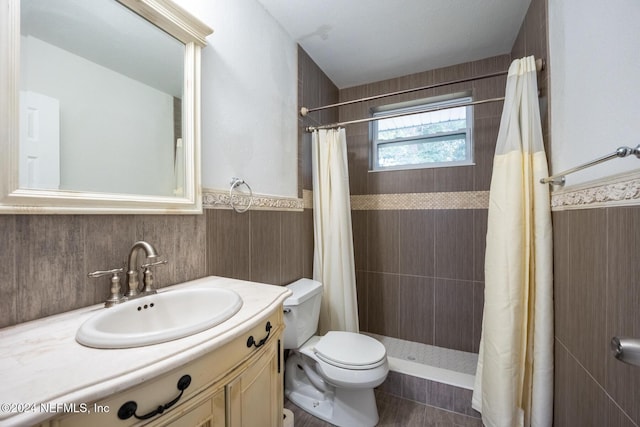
<point x="332" y="376"/>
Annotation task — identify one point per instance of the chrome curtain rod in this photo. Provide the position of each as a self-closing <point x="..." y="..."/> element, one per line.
<point x="559" y="178"/>
<point x="304" y="110"/>
<point x="391" y="116"/>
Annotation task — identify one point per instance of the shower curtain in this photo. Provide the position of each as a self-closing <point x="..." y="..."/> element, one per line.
<point x="514" y="378"/>
<point x="333" y="262"/>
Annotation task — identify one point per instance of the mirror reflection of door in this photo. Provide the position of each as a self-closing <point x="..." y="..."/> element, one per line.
<point x="39" y="141"/>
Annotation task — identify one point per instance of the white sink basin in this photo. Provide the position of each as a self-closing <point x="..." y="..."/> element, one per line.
<point x="158" y="318"/>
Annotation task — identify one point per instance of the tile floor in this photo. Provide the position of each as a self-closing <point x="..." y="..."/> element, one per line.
<point x="397" y="412"/>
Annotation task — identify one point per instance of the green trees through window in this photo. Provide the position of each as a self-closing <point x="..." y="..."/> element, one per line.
<point x="441" y="137"/>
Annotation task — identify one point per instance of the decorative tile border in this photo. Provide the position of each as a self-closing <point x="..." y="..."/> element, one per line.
<point x="619" y="190"/>
<point x="422" y="201"/>
<point x="219" y="199"/>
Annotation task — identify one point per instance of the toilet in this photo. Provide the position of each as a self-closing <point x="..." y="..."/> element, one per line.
<point x="333" y="376"/>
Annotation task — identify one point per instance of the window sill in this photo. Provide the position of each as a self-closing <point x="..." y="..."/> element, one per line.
<point x="423" y="166"/>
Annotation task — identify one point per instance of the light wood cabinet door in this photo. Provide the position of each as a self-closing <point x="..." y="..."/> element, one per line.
<point x="255" y="397"/>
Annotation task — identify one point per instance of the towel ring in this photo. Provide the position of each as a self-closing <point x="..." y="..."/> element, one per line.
<point x="235" y="182"/>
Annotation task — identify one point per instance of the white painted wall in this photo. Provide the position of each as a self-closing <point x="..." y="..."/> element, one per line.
<point x="249" y="98"/>
<point x="595" y="84"/>
<point x="108" y="146"/>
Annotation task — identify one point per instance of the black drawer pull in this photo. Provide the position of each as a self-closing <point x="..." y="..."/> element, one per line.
<point x="252" y="342"/>
<point x="128" y="410"/>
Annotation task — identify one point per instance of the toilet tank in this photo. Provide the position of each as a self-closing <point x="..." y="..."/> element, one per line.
<point x="301" y="312"/>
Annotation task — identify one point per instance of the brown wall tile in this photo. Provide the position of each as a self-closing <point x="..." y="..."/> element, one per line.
<point x="416" y="320"/>
<point x="478" y="312"/>
<point x="266" y="253"/>
<point x="107" y="242"/>
<point x="484" y="147"/>
<point x="623" y="301"/>
<point x="480" y="218"/>
<point x="359" y="229"/>
<point x="454" y="314"/>
<point x="417" y="181"/>
<point x="314" y="90"/>
<point x="308" y="247"/>
<point x="595" y="298"/>
<point x="62" y="249"/>
<point x="8" y="284"/>
<point x="50" y="264"/>
<point x="586" y="316"/>
<point x="184" y="248"/>
<point x="291" y="246"/>
<point x="382" y="299"/>
<point x="362" y="290"/>
<point x="563" y="299"/>
<point x="228" y="243"/>
<point x="416" y="237"/>
<point x="382" y="244"/>
<point x="454" y="243"/>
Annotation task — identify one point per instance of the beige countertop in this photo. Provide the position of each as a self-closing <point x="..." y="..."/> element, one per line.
<point x="42" y="365"/>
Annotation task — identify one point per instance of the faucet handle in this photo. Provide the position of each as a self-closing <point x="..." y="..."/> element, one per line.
<point x="116" y="296"/>
<point x="100" y="273"/>
<point x="151" y="264"/>
<point x="148" y="276"/>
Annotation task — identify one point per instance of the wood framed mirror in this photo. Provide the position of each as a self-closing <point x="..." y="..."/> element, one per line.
<point x="102" y="107"/>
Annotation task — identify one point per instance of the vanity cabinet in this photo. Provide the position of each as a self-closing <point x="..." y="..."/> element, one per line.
<point x="239" y="384"/>
<point x="254" y="398"/>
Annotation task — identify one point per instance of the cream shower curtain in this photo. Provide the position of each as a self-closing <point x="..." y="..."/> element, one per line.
<point x="333" y="262"/>
<point x="514" y="378"/>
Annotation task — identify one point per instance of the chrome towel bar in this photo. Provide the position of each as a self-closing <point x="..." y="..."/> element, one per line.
<point x="559" y="178"/>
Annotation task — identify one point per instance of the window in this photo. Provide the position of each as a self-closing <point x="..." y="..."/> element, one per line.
<point x="421" y="138"/>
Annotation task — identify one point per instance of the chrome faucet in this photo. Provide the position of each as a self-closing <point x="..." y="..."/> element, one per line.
<point x="133" y="274"/>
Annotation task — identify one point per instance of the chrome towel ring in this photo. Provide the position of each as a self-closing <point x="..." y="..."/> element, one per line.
<point x="233" y="200"/>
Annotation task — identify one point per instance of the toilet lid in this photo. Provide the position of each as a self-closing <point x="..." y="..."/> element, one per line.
<point x="349" y="349"/>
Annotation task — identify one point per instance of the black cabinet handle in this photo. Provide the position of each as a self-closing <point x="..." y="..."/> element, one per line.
<point x="128" y="410"/>
<point x="252" y="342"/>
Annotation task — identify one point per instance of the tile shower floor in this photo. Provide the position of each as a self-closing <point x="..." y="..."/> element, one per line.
<point x="427" y="361"/>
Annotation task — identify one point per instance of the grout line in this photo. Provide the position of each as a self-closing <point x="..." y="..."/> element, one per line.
<point x="595" y="381"/>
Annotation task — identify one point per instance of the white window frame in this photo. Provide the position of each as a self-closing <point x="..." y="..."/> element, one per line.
<point x="425" y="105"/>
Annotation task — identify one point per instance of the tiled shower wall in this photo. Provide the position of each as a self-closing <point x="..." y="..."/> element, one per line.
<point x="420" y="272"/>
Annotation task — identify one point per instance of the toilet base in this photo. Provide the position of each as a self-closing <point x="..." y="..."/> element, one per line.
<point x="338" y="406"/>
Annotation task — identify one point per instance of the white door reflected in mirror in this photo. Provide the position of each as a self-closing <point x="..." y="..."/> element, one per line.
<point x="39" y="141"/>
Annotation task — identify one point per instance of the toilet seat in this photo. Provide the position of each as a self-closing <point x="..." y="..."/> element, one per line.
<point x="350" y="350"/>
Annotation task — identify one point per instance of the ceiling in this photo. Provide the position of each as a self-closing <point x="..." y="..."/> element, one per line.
<point x="361" y="41"/>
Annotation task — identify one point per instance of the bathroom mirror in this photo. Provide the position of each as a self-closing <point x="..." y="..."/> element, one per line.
<point x="102" y="107"/>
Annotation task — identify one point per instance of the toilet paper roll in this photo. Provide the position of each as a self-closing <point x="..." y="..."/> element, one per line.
<point x="288" y="418"/>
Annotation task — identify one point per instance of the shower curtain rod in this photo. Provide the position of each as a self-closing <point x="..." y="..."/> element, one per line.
<point x="559" y="178"/>
<point x="304" y="110"/>
<point x="391" y="116"/>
